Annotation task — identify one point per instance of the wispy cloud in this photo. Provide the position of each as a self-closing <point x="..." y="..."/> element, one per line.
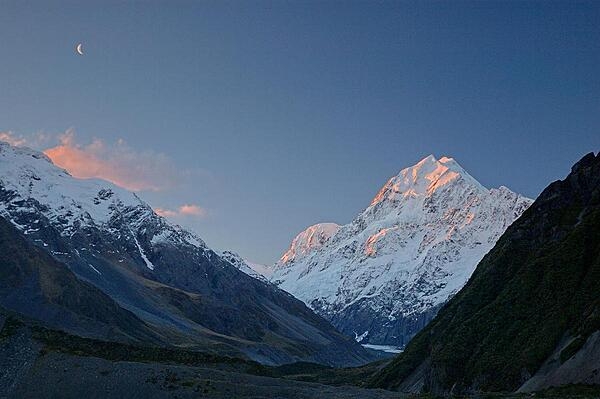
<point x="167" y="213"/>
<point x="35" y="140"/>
<point x="184" y="210"/>
<point x="192" y="210"/>
<point x="117" y="163"/>
<point x="12" y="139"/>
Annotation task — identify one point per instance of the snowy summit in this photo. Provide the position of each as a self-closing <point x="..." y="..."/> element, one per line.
<point x="383" y="276"/>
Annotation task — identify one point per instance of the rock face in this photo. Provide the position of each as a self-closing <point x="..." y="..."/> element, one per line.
<point x="166" y="276"/>
<point x="383" y="277"/>
<point x="529" y="316"/>
<point x="308" y="241"/>
<point x="37" y="286"/>
<point x="244" y="266"/>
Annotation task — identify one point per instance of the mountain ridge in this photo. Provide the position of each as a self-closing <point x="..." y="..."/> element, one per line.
<point x="165" y="275"/>
<point x="383" y="276"/>
<point x="528" y="318"/>
<point x="34" y="284"/>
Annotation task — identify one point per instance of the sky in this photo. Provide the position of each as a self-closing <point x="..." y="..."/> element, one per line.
<point x="248" y="121"/>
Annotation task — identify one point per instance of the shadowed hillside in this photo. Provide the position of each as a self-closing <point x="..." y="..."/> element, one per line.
<point x="533" y="301"/>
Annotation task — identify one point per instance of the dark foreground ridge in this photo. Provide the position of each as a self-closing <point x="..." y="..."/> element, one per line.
<point x="529" y="317"/>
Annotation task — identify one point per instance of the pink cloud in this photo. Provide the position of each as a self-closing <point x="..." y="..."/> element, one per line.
<point x="12" y="139"/>
<point x="183" y="210"/>
<point x="166" y="213"/>
<point x="193" y="210"/>
<point x="117" y="163"/>
<point x="33" y="140"/>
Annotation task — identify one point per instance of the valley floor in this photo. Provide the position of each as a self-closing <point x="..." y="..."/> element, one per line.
<point x="68" y="376"/>
<point x="40" y="363"/>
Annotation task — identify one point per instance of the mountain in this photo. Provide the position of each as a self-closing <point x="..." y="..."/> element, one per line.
<point x="529" y="317"/>
<point x="383" y="276"/>
<point x="34" y="284"/>
<point x="257" y="271"/>
<point x="167" y="277"/>
<point x="308" y="241"/>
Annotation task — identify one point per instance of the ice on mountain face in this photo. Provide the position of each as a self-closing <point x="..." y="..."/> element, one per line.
<point x="33" y="188"/>
<point x="149" y="264"/>
<point x="359" y="338"/>
<point x="160" y="238"/>
<point x="263" y="270"/>
<point x="259" y="272"/>
<point x="94" y="269"/>
<point x="156" y="270"/>
<point x="415" y="246"/>
<point x="304" y="243"/>
<point x="309" y="240"/>
<point x="68" y="200"/>
<point x="384" y="348"/>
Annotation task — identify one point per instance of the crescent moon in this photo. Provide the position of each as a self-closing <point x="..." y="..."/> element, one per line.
<point x="79" y="49"/>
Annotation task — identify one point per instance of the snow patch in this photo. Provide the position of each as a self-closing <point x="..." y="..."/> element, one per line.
<point x="96" y="270"/>
<point x="359" y="338"/>
<point x="383" y="348"/>
<point x="142" y="254"/>
<point x="311" y="239"/>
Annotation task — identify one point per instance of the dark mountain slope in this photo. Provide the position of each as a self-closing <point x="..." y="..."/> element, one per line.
<point x="537" y="291"/>
<point x="166" y="276"/>
<point x="36" y="285"/>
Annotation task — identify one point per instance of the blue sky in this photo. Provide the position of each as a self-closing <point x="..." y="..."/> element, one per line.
<point x="271" y="116"/>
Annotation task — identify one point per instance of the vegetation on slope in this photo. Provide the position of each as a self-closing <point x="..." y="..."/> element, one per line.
<point x="62" y="342"/>
<point x="539" y="284"/>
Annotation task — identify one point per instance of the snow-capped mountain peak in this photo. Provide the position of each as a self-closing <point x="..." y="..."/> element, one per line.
<point x="309" y="240"/>
<point x="32" y="188"/>
<point x="411" y="249"/>
<point x="424" y="178"/>
<point x="183" y="291"/>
